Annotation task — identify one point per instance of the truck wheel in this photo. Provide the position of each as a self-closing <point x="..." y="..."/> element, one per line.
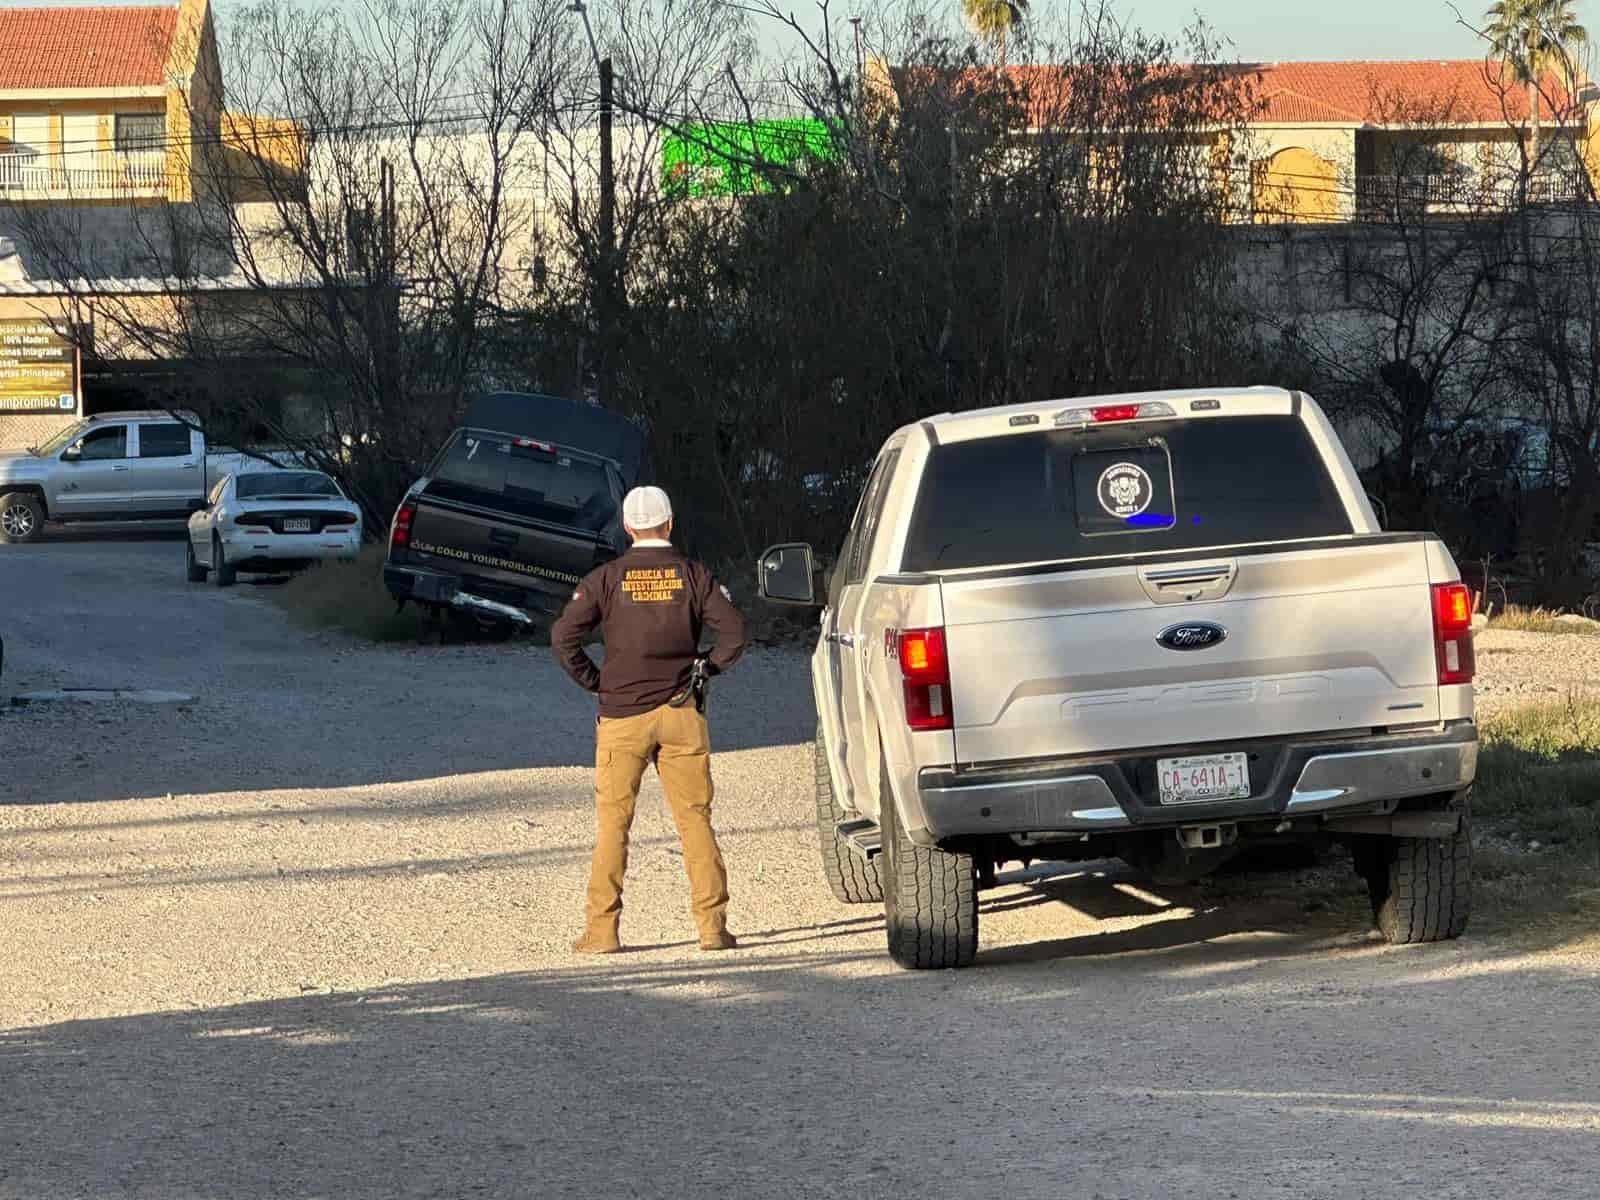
<point x="1421" y="888"/>
<point x="225" y="574"/>
<point x="194" y="571"/>
<point x="21" y="518"/>
<point x="854" y="880"/>
<point x="930" y="898"/>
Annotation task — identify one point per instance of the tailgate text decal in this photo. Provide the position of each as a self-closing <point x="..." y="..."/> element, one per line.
<point x="489" y="560"/>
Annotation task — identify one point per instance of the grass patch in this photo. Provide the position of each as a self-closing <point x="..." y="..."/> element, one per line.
<point x="347" y="597"/>
<point x="1539" y="774"/>
<point x="1540" y="781"/>
<point x="1540" y="620"/>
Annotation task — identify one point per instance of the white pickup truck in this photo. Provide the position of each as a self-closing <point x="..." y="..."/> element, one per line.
<point x="121" y="466"/>
<point x="1154" y="627"/>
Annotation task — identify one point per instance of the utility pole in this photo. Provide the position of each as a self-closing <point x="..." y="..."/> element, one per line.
<point x="603" y="296"/>
<point x="608" y="238"/>
<point x="388" y="290"/>
<point x="861" y="93"/>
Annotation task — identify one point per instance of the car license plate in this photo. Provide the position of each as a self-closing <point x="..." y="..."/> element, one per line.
<point x="1203" y="778"/>
<point x="297" y="524"/>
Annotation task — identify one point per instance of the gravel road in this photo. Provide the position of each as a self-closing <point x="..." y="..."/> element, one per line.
<point x="307" y="937"/>
<point x="1521" y="668"/>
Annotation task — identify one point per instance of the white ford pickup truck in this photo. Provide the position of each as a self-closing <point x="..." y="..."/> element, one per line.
<point x="1154" y="627"/>
<point x="123" y="466"/>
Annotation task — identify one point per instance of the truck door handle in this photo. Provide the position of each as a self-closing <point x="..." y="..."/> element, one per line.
<point x="500" y="537"/>
<point x="190" y="464"/>
<point x="842" y="639"/>
<point x="119" y="468"/>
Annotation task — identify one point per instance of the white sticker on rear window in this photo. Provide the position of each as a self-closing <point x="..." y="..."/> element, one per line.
<point x="1125" y="490"/>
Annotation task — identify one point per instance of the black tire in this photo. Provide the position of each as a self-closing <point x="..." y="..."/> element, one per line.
<point x="224" y="574"/>
<point x="21" y="518"/>
<point x="194" y="571"/>
<point x="1421" y="888"/>
<point x="854" y="880"/>
<point x="930" y="898"/>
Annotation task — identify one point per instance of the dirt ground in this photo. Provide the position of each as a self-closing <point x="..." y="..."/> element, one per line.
<point x="307" y="934"/>
<point x="1520" y="668"/>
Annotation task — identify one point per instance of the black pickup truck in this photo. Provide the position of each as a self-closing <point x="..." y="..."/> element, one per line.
<point x="519" y="504"/>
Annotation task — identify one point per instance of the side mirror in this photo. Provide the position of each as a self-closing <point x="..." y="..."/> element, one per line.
<point x="72" y="454"/>
<point x="787" y="575"/>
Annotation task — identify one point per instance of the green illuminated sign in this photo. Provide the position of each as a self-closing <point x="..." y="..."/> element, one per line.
<point x="724" y="159"/>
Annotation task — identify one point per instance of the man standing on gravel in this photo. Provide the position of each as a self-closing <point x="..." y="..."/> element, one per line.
<point x="650" y="606"/>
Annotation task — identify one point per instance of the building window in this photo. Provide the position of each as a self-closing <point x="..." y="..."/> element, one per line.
<point x="140" y="132"/>
<point x="30" y="133"/>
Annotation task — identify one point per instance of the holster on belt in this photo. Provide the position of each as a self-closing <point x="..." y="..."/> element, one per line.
<point x="696" y="687"/>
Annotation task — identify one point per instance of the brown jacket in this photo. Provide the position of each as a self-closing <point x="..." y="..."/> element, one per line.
<point x="650" y="606"/>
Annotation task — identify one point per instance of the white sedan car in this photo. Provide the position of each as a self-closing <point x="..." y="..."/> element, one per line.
<point x="271" y="520"/>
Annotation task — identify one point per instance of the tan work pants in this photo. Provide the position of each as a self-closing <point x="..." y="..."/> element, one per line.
<point x="679" y="743"/>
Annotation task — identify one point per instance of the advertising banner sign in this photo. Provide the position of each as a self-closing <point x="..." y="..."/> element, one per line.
<point x="39" y="372"/>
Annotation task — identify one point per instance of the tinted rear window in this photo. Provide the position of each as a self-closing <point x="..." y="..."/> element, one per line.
<point x="1169" y="485"/>
<point x="261" y="484"/>
<point x="558" y="486"/>
<point x="163" y="441"/>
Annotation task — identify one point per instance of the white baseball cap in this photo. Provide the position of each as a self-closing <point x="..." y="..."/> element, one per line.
<point x="646" y="508"/>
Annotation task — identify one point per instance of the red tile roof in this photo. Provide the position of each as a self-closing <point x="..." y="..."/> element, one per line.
<point x="84" y="47"/>
<point x="1464" y="92"/>
<point x="1472" y="91"/>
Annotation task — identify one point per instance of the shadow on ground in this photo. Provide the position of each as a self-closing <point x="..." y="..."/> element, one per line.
<point x="279" y="709"/>
<point x="1252" y="1065"/>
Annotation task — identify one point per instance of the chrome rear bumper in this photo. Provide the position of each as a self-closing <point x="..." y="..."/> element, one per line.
<point x="1346" y="780"/>
<point x="1315" y="779"/>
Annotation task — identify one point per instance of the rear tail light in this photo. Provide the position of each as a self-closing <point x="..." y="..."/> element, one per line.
<point x="1452" y="633"/>
<point x="925" y="667"/>
<point x="1100" y="414"/>
<point x="400" y="530"/>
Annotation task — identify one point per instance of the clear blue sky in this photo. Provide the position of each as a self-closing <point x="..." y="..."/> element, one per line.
<point x="1259" y="30"/>
<point x="1264" y="30"/>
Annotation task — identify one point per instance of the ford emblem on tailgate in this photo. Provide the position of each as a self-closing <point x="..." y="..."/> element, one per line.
<point x="1191" y="635"/>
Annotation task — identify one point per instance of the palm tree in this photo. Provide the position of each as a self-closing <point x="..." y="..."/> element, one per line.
<point x="992" y="20"/>
<point x="1532" y="37"/>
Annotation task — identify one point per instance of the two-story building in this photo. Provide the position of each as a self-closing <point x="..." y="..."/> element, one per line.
<point x="114" y="145"/>
<point x="1341" y="141"/>
<point x="106" y="103"/>
<point x="1333" y="141"/>
<point x="104" y="112"/>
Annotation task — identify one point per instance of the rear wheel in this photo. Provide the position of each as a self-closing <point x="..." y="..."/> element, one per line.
<point x="854" y="880"/>
<point x="196" y="573"/>
<point x="1421" y="888"/>
<point x="21" y="518"/>
<point x="225" y="574"/>
<point x="930" y="898"/>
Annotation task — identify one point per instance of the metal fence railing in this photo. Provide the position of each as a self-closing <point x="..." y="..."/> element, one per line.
<point x="1465" y="190"/>
<point x="79" y="174"/>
